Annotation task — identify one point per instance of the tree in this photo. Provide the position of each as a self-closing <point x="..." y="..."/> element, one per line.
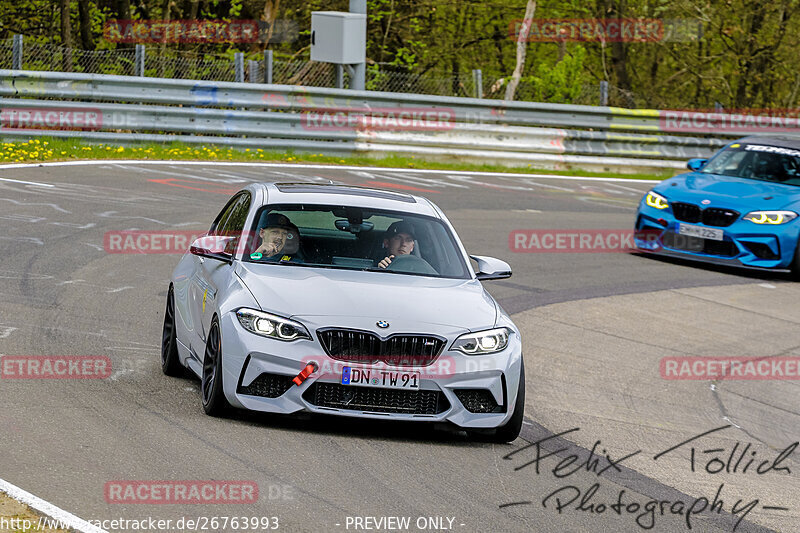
<point x="66" y="34"/>
<point x="522" y="47"/>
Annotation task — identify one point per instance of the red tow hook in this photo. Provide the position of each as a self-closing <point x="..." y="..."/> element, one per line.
<point x="303" y="375"/>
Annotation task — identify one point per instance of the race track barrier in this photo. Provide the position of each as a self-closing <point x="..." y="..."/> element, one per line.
<point x="128" y="110"/>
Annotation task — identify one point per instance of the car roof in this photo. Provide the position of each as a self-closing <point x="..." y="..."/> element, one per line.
<point x="350" y="195"/>
<point x="773" y="140"/>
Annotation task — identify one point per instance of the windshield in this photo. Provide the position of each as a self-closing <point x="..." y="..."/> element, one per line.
<point x="758" y="162"/>
<point x="355" y="238"/>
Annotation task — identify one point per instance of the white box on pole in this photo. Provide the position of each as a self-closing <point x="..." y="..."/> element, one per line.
<point x="338" y="37"/>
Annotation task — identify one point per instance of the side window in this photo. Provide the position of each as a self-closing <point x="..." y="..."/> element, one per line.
<point x="219" y="222"/>
<point x="235" y="223"/>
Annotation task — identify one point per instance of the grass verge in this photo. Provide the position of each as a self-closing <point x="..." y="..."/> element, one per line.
<point x="51" y="149"/>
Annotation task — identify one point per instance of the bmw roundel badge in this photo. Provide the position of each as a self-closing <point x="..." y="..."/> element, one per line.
<point x="382" y="324"/>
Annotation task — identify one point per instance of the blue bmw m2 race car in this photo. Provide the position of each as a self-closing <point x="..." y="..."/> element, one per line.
<point x="738" y="208"/>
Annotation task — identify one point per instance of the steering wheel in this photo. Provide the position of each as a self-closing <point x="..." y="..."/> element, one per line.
<point x="411" y="263"/>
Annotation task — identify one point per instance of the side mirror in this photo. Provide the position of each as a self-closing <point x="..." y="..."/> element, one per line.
<point x="213" y="247"/>
<point x="491" y="268"/>
<point x="696" y="164"/>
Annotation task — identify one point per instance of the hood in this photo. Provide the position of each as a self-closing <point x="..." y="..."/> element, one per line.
<point x="356" y="297"/>
<point x="730" y="192"/>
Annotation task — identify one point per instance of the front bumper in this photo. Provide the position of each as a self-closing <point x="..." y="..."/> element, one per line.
<point x="744" y="244"/>
<point x="247" y="356"/>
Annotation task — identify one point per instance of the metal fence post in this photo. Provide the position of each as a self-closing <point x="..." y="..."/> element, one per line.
<point x="16" y="52"/>
<point x="238" y="67"/>
<point x="603" y="93"/>
<point x="138" y="60"/>
<point x="358" y="76"/>
<point x="267" y="66"/>
<point x="339" y="76"/>
<point x="477" y="79"/>
<point x="252" y="71"/>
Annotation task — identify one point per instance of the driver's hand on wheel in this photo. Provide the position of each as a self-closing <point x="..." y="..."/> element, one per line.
<point x="385" y="261"/>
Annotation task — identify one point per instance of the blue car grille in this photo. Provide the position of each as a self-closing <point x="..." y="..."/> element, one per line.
<point x="417" y="402"/>
<point x="686" y="212"/>
<point x="356" y="346"/>
<point x="711" y="216"/>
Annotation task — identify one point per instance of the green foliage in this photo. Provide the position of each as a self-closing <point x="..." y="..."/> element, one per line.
<point x="563" y="82"/>
<point x="739" y="53"/>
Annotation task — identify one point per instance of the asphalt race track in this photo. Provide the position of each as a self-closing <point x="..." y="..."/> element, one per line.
<point x="595" y="326"/>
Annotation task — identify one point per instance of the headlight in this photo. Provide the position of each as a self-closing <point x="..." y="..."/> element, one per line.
<point x="482" y="342"/>
<point x="770" y="217"/>
<point x="654" y="199"/>
<point x="272" y="326"/>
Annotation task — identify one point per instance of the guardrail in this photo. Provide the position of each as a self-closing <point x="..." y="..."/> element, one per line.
<point x="127" y="110"/>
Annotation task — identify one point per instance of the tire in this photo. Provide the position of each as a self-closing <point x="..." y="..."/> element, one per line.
<point x="212" y="394"/>
<point x="795" y="266"/>
<point x="170" y="362"/>
<point x="509" y="431"/>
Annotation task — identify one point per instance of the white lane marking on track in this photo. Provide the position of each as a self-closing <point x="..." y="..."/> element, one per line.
<point x="74" y="225"/>
<point x="54" y="206"/>
<point x="767" y="285"/>
<point x="725" y="418"/>
<point x="637" y="191"/>
<point x="27" y="182"/>
<point x="320" y="167"/>
<point x="115" y="376"/>
<point x="95" y="246"/>
<point x="67" y="519"/>
<point x="120" y="289"/>
<point x="22" y="218"/>
<point x="472" y="181"/>
<point x="5" y="331"/>
<point x="237" y="179"/>
<point x="110" y="214"/>
<point x="71" y="281"/>
<point x="32" y="240"/>
<point x="530" y="181"/>
<point x="416" y="180"/>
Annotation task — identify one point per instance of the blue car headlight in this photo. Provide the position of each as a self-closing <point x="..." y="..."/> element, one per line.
<point x="482" y="342"/>
<point x="770" y="217"/>
<point x="653" y="199"/>
<point x="271" y="326"/>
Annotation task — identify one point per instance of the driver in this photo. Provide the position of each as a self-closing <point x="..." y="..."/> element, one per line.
<point x="274" y="236"/>
<point x="398" y="240"/>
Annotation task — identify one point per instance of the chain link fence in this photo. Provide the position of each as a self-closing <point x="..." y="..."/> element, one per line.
<point x="168" y="63"/>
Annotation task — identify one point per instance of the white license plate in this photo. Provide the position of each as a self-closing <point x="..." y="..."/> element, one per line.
<point x="700" y="231"/>
<point x="380" y="377"/>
